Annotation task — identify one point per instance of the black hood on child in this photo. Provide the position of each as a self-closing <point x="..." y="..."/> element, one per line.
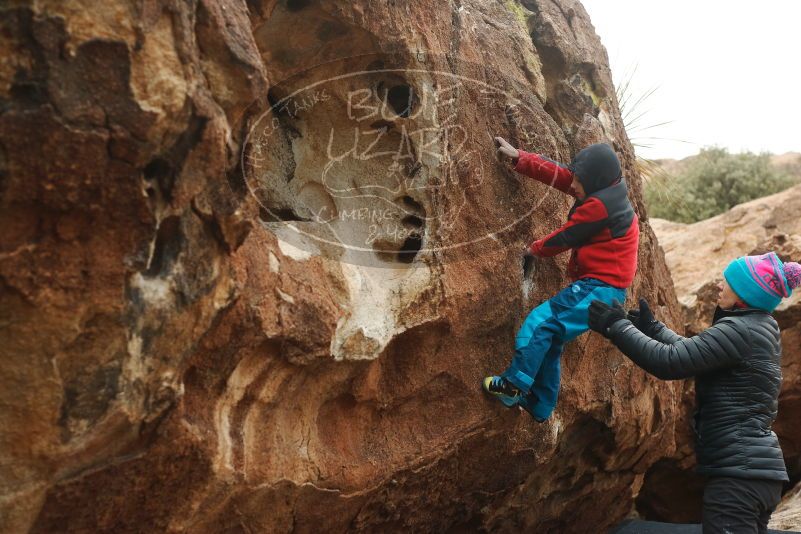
<point x="596" y="166"/>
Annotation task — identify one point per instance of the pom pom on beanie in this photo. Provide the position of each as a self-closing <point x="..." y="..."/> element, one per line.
<point x="792" y="271"/>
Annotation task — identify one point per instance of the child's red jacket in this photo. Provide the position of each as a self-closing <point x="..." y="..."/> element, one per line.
<point x="602" y="230"/>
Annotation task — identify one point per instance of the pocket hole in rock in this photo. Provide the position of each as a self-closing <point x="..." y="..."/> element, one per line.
<point x="166" y="248"/>
<point x="412" y="220"/>
<point x="297" y="5"/>
<point x="529" y="269"/>
<point x="413" y="205"/>
<point x="160" y="173"/>
<point x="400" y="98"/>
<point x="411" y="246"/>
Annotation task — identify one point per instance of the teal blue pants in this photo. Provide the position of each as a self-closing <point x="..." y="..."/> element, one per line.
<point x="539" y="342"/>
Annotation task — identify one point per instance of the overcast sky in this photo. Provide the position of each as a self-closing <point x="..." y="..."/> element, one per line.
<point x="727" y="73"/>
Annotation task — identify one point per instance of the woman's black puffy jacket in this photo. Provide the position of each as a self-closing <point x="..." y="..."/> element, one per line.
<point x="736" y="365"/>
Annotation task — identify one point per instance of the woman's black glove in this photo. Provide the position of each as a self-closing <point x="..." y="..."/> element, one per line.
<point x="643" y="318"/>
<point x="603" y="316"/>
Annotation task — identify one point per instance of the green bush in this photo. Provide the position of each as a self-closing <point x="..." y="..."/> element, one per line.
<point x="714" y="182"/>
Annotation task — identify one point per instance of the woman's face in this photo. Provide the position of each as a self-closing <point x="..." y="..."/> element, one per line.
<point x="727" y="298"/>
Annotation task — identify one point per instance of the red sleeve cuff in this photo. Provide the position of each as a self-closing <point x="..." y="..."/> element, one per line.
<point x="521" y="155"/>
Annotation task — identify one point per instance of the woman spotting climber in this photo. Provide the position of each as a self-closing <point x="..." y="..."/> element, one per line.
<point x="737" y="368"/>
<point x="602" y="232"/>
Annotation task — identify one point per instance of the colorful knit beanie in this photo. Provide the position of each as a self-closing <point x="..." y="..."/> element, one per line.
<point x="762" y="281"/>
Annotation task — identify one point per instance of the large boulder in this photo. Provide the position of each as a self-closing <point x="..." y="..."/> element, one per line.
<point x="185" y="346"/>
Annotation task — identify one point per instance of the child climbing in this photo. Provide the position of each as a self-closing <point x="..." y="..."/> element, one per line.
<point x="602" y="232"/>
<point x="737" y="368"/>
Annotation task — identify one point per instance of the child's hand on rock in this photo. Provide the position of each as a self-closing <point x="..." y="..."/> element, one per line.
<point x="505" y="149"/>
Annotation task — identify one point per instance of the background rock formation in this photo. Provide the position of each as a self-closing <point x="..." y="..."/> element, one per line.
<point x="788" y="514"/>
<point x="696" y="255"/>
<point x="168" y="364"/>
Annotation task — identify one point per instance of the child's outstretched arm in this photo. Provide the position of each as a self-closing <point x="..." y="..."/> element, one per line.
<point x="588" y="220"/>
<point x="538" y="167"/>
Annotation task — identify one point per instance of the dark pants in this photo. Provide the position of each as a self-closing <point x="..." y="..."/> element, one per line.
<point x="739" y="505"/>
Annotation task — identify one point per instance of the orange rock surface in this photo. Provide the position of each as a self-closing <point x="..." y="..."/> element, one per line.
<point x="184" y="348"/>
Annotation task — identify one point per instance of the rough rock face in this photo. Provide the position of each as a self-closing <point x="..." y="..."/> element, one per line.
<point x="697" y="254"/>
<point x="788" y="514"/>
<point x="167" y="363"/>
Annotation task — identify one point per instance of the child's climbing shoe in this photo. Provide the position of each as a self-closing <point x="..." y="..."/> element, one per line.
<point x="502" y="390"/>
<point x="527" y="402"/>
